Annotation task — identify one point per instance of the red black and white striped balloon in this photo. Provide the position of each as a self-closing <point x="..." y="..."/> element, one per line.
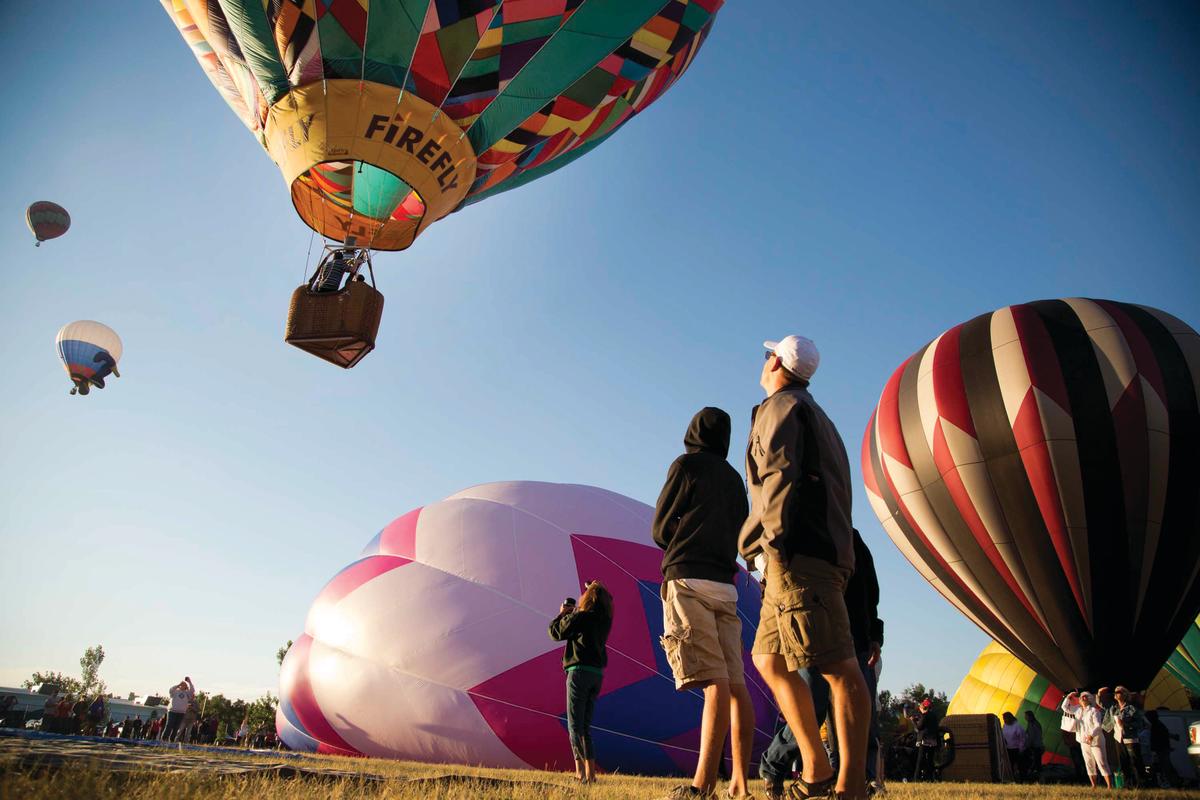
<point x="47" y="220"/>
<point x="1040" y="467"/>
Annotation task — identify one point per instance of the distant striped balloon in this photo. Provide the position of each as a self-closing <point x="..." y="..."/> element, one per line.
<point x="90" y="352"/>
<point x="47" y="220"/>
<point x="1038" y="466"/>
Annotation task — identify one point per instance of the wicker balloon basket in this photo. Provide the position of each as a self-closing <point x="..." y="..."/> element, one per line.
<point x="339" y="327"/>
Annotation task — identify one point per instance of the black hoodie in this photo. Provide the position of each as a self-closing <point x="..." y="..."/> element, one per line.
<point x="702" y="505"/>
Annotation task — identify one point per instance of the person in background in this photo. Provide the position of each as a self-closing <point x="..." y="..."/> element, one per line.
<point x="182" y="694"/>
<point x="1089" y="733"/>
<point x="1014" y="743"/>
<point x="927" y="724"/>
<point x="1129" y="723"/>
<point x="243" y="731"/>
<point x="585" y="629"/>
<point x="800" y="538"/>
<point x="50" y="715"/>
<point x="1035" y="747"/>
<point x="697" y="519"/>
<point x="79" y="716"/>
<point x="1160" y="746"/>
<point x="862" y="603"/>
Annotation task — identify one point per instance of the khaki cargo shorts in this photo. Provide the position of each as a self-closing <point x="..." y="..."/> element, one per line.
<point x="702" y="637"/>
<point x="804" y="615"/>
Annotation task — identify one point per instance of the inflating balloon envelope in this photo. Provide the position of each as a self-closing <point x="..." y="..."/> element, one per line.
<point x="1038" y="466"/>
<point x="385" y="117"/>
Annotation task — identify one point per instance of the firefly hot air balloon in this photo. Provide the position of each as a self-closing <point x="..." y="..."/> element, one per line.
<point x="89" y="351"/>
<point x="1038" y="466"/>
<point x="47" y="220"/>
<point x="432" y="646"/>
<point x="385" y="117"/>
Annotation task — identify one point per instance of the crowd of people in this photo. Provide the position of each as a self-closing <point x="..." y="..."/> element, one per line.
<point x="183" y="721"/>
<point x="818" y="639"/>
<point x="1114" y="741"/>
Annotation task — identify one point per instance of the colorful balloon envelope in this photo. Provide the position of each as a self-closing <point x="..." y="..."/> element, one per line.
<point x="1184" y="663"/>
<point x="433" y="645"/>
<point x="47" y="220"/>
<point x="90" y="352"/>
<point x="385" y="117"/>
<point x="998" y="682"/>
<point x="1037" y="466"/>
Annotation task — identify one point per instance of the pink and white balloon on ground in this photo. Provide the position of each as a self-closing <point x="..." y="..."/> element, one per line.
<point x="433" y="645"/>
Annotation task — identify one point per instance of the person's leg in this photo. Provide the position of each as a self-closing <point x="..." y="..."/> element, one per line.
<point x="593" y="694"/>
<point x="795" y="702"/>
<point x="741" y="713"/>
<point x="775" y="766"/>
<point x="852" y="715"/>
<point x="741" y="709"/>
<point x="1101" y="757"/>
<point x="575" y="713"/>
<point x="714" y="726"/>
<point x="870" y="679"/>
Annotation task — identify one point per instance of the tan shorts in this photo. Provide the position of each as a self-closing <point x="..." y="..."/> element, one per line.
<point x="702" y="637"/>
<point x="804" y="615"/>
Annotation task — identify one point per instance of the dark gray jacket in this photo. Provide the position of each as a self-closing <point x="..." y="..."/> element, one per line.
<point x="799" y="478"/>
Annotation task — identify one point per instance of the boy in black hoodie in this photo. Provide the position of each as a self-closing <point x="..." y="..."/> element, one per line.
<point x="696" y="522"/>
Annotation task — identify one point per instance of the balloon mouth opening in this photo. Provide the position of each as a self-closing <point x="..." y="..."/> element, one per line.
<point x="359" y="204"/>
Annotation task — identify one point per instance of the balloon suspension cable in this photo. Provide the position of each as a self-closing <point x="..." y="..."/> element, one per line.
<point x="308" y="257"/>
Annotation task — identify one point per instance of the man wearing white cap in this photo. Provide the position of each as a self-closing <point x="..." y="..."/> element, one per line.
<point x="800" y="537"/>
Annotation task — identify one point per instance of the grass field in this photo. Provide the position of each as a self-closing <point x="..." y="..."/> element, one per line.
<point x="408" y="781"/>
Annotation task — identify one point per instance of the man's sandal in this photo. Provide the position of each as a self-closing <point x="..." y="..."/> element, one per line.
<point x="801" y="789"/>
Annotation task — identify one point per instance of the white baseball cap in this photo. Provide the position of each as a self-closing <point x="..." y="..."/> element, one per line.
<point x="798" y="354"/>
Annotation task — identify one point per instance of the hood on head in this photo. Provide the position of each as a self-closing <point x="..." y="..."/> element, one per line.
<point x="709" y="431"/>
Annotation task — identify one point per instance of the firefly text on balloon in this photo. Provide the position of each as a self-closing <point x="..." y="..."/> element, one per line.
<point x="415" y="142"/>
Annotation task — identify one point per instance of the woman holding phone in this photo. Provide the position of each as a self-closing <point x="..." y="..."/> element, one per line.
<point x="584" y="627"/>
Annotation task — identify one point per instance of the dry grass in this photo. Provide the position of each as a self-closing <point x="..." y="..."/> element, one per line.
<point x="388" y="780"/>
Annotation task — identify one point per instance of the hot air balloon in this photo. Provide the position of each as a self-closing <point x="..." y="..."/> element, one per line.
<point x="386" y="117"/>
<point x="1037" y="466"/>
<point x="432" y="646"/>
<point x="90" y="352"/>
<point x="1184" y="663"/>
<point x="999" y="682"/>
<point x="47" y="220"/>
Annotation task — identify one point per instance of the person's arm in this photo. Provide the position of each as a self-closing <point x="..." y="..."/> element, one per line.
<point x="191" y="688"/>
<point x="568" y="624"/>
<point x="671" y="502"/>
<point x="779" y="471"/>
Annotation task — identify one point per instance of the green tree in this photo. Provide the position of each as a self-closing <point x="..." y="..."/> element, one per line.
<point x="89" y="663"/>
<point x="63" y="682"/>
<point x="282" y="652"/>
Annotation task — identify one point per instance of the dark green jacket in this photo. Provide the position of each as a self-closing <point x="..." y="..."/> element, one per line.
<point x="586" y="634"/>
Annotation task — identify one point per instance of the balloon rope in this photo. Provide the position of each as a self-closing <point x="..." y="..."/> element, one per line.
<point x="308" y="258"/>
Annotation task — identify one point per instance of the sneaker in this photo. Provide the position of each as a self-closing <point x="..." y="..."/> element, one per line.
<point x="689" y="792"/>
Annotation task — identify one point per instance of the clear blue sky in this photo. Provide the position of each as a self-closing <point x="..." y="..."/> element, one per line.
<point x="864" y="174"/>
